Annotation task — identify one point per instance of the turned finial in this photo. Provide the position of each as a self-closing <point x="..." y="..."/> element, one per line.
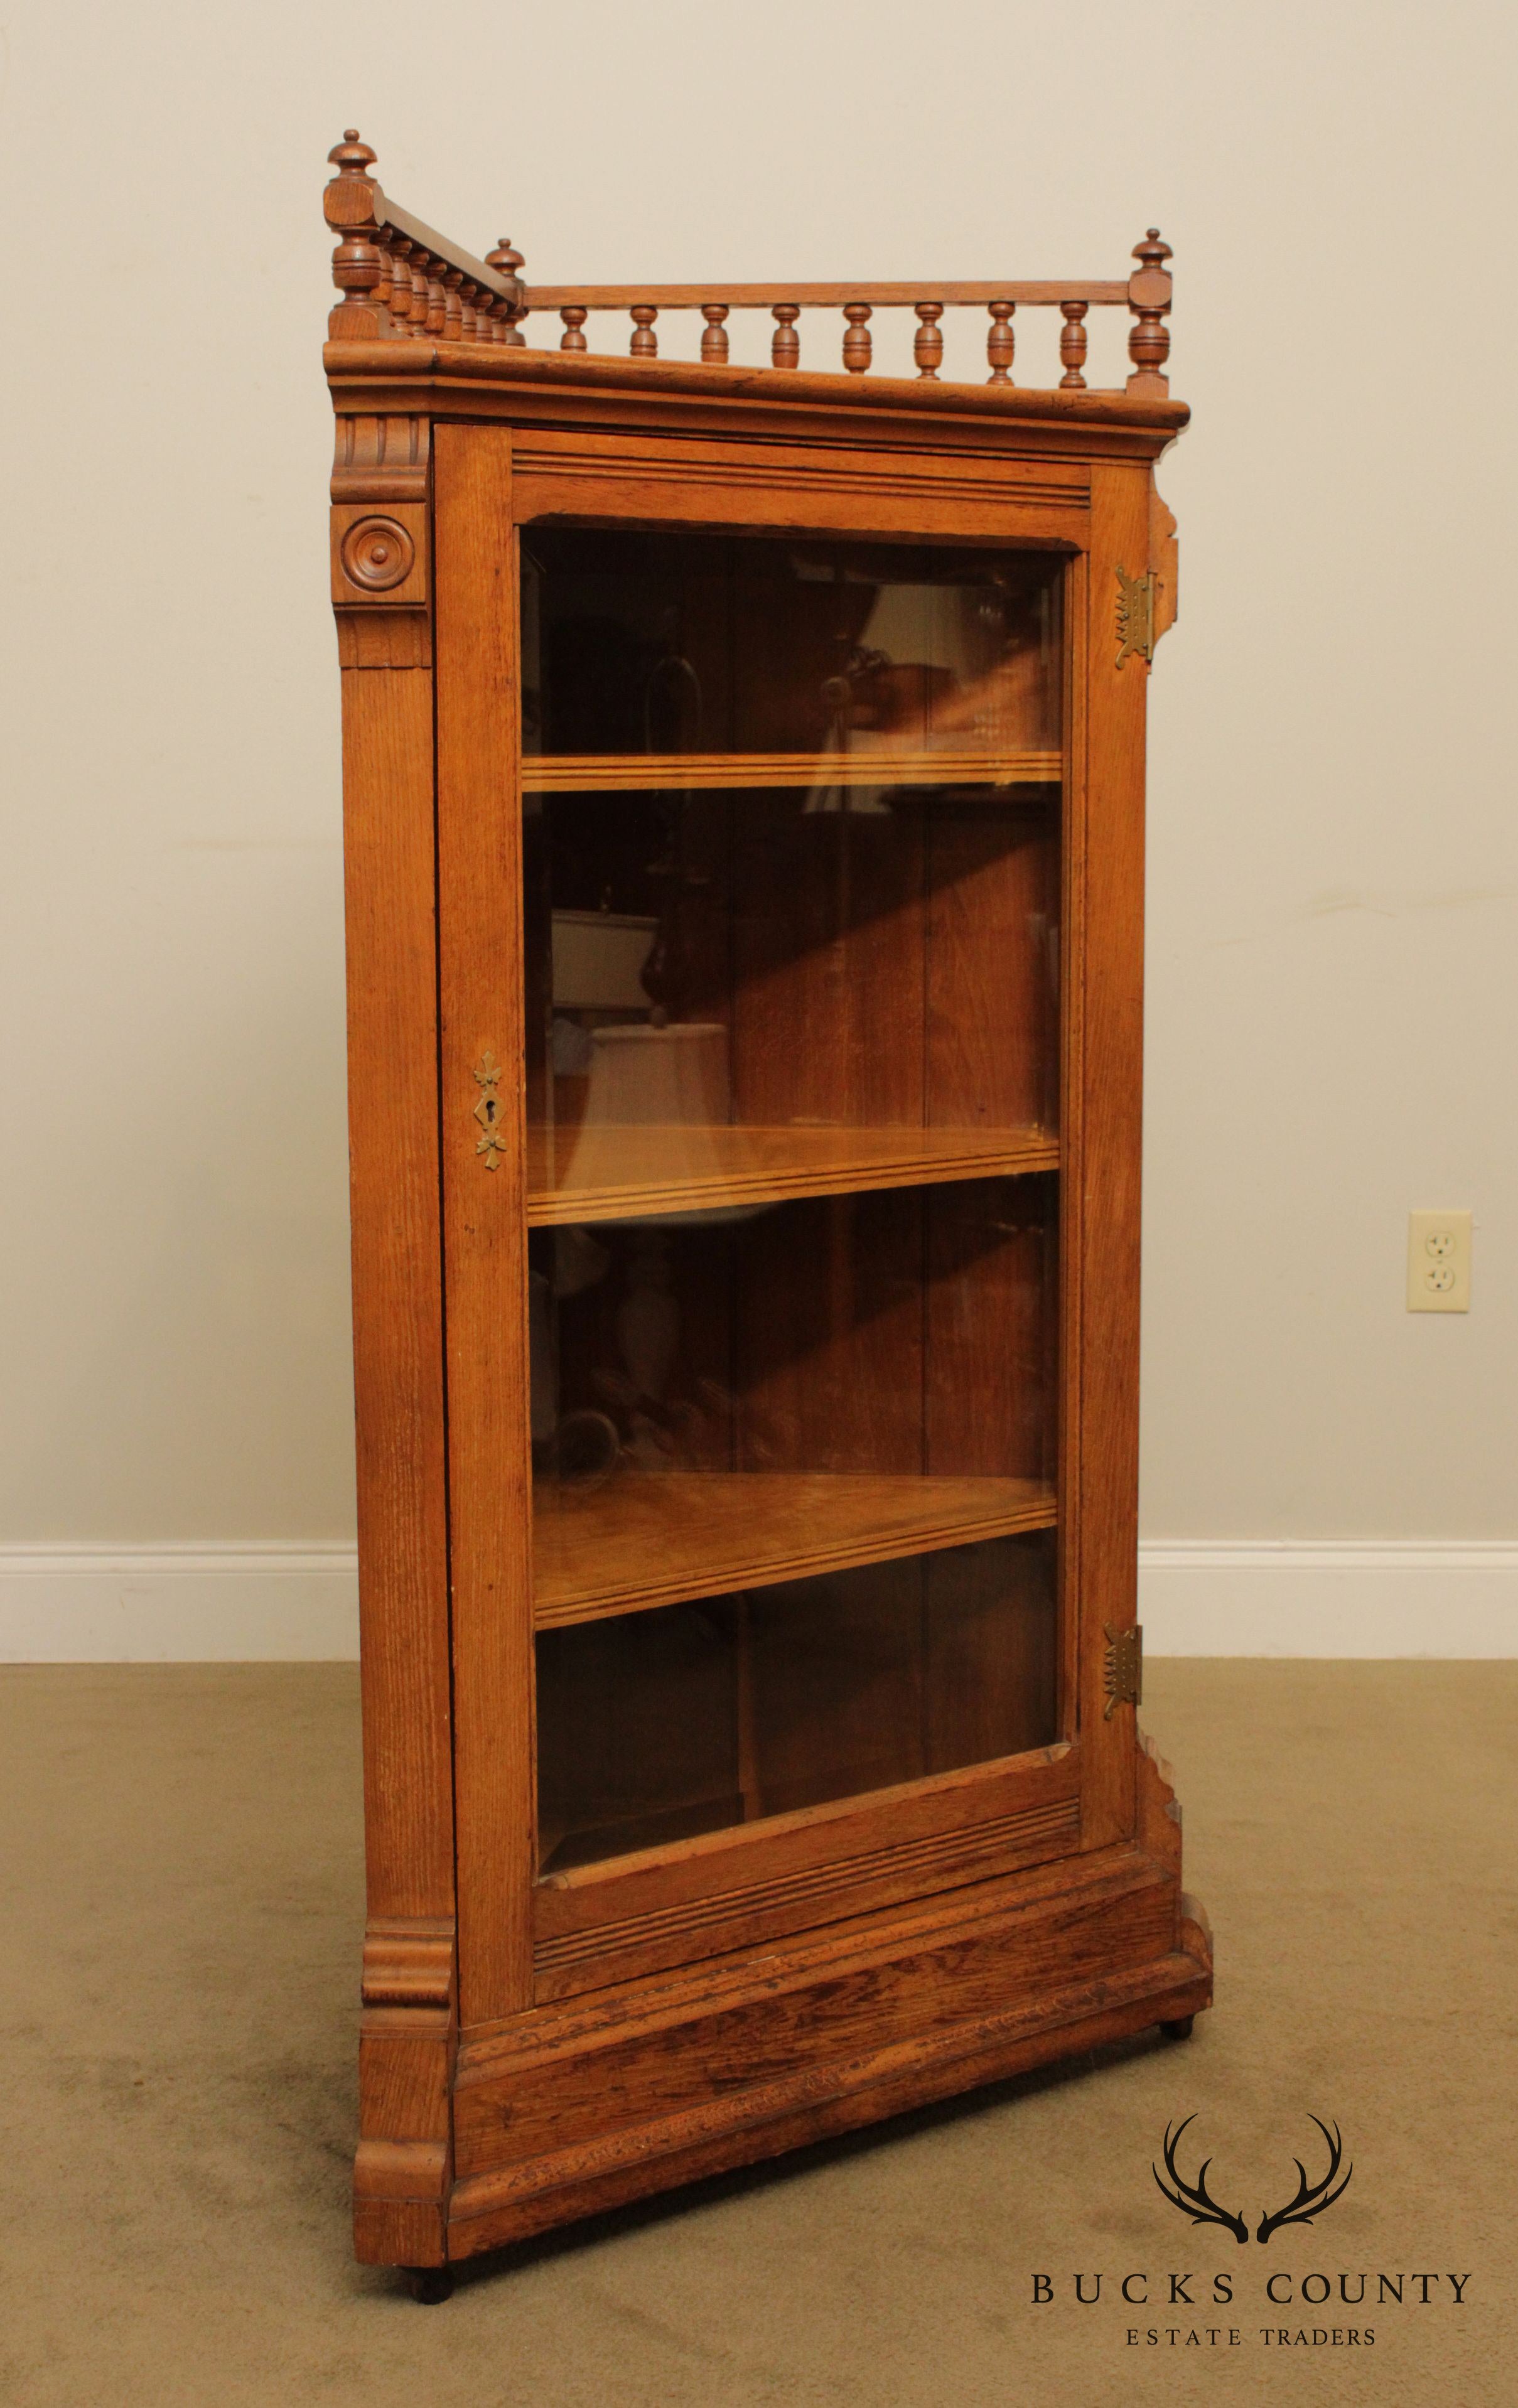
<point x="351" y="157"/>
<point x="358" y="265"/>
<point x="1148" y="298"/>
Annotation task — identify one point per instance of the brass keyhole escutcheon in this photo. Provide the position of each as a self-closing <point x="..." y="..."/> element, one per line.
<point x="487" y="1111"/>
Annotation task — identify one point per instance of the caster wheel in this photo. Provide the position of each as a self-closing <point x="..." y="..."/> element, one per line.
<point x="1180" y="2029"/>
<point x="430" y="2284"/>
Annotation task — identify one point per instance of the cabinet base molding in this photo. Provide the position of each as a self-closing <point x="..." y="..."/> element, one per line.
<point x="408" y="2046"/>
<point x="563" y="2114"/>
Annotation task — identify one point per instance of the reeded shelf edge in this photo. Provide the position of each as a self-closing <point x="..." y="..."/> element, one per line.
<point x="545" y="773"/>
<point x="660" y="1538"/>
<point x="619" y="1173"/>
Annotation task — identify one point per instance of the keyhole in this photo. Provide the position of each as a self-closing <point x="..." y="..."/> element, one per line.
<point x="490" y="1108"/>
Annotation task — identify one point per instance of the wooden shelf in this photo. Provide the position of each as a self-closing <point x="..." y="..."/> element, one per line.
<point x="650" y="1539"/>
<point x="621" y="1173"/>
<point x="861" y="766"/>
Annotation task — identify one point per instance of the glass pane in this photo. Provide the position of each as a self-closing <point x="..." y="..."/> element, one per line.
<point x="748" y="992"/>
<point x="721" y="1397"/>
<point x="792" y="820"/>
<point x="653" y="1727"/>
<point x="638" y="642"/>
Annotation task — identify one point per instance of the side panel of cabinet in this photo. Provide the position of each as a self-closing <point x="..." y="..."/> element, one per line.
<point x="397" y="1288"/>
<point x="1108" y="1076"/>
<point x="403" y="2166"/>
<point x="481" y="1065"/>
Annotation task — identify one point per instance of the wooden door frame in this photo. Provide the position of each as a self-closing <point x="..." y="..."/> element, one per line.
<point x="479" y="1013"/>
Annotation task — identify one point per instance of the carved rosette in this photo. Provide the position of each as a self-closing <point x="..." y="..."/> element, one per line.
<point x="377" y="553"/>
<point x="379" y="585"/>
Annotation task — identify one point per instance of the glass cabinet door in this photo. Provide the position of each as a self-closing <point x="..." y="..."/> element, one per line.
<point x="792" y="820"/>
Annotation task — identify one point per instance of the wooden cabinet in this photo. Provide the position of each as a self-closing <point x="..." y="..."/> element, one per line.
<point x="744" y="804"/>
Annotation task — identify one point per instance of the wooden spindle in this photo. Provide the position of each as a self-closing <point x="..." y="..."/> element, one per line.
<point x="471" y="300"/>
<point x="645" y="342"/>
<point x="1000" y="343"/>
<point x="714" y="333"/>
<point x="507" y="263"/>
<point x="420" y="293"/>
<point x="437" y="297"/>
<point x="573" y="338"/>
<point x="857" y="346"/>
<point x="400" y="287"/>
<point x="380" y="296"/>
<point x="785" y="351"/>
<point x="1148" y="298"/>
<point x="1072" y="342"/>
<point x="357" y="263"/>
<point x="927" y="348"/>
<point x="451" y="330"/>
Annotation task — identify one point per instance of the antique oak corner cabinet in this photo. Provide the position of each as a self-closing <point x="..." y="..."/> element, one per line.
<point x="743" y="777"/>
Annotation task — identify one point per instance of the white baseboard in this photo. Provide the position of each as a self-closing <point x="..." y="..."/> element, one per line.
<point x="222" y="1603"/>
<point x="263" y="1603"/>
<point x="1455" y="1598"/>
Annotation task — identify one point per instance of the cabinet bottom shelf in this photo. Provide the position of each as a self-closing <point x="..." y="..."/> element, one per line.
<point x="647" y="1540"/>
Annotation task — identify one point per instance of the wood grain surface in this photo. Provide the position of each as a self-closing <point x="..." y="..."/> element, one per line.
<point x="607" y="1172"/>
<point x="942" y="1356"/>
<point x="484" y="1215"/>
<point x="862" y="764"/>
<point x="647" y="1539"/>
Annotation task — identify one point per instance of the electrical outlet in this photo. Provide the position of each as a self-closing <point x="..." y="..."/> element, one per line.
<point x="1439" y="1261"/>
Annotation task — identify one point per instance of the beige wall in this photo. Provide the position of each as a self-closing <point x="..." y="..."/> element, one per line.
<point x="1335" y="831"/>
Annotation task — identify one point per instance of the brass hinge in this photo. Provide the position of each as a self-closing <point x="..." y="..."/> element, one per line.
<point x="1124" y="1668"/>
<point x="1135" y="616"/>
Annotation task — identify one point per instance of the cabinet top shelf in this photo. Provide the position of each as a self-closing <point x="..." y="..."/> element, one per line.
<point x="579" y="772"/>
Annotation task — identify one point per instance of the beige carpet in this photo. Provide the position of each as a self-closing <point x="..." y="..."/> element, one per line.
<point x="181" y="1911"/>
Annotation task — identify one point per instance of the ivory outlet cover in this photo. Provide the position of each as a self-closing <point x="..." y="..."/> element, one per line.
<point x="1439" y="1261"/>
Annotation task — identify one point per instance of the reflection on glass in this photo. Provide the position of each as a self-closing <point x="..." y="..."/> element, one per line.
<point x="695" y="643"/>
<point x="727" y="988"/>
<point x="793" y="896"/>
<point x="653" y="1726"/>
<point x="793" y="864"/>
<point x="742" y="1392"/>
